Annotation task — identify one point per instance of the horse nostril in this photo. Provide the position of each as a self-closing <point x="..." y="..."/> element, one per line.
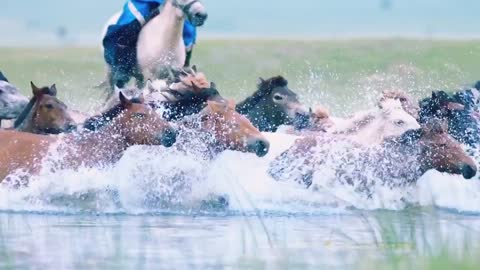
<point x="260" y="148"/>
<point x="169" y="137"/>
<point x="468" y="171"/>
<point x="200" y="18"/>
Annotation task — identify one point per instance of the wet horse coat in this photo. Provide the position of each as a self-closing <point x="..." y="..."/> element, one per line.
<point x="399" y="161"/>
<point x="131" y="123"/>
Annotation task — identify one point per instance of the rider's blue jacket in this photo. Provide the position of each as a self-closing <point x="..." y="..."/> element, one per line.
<point x="143" y="10"/>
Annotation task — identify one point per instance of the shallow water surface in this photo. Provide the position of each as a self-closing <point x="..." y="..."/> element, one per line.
<point x="228" y="240"/>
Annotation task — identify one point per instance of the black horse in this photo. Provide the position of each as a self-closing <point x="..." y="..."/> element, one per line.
<point x="459" y="109"/>
<point x="273" y="105"/>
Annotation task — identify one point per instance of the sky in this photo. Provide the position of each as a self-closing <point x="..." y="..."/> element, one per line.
<point x="34" y="22"/>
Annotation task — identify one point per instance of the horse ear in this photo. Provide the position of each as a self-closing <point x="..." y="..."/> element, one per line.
<point x="194" y="68"/>
<point x="231" y="104"/>
<point x="117" y="90"/>
<point x="213" y="85"/>
<point x="148" y="87"/>
<point x="195" y="88"/>
<point x="261" y="80"/>
<point x="35" y="90"/>
<point x="124" y="101"/>
<point x="53" y="90"/>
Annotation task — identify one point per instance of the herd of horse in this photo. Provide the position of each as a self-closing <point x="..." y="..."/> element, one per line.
<point x="396" y="142"/>
<point x="409" y="137"/>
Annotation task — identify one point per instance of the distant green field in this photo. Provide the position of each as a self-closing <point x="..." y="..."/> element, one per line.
<point x="336" y="73"/>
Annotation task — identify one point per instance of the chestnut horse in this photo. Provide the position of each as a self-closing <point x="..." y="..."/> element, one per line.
<point x="221" y="128"/>
<point x="45" y="113"/>
<point x="398" y="162"/>
<point x="129" y="123"/>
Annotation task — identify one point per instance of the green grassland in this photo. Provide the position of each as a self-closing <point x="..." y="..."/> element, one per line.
<point x="328" y="72"/>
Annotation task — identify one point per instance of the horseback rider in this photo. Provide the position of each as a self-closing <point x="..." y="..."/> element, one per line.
<point x="120" y="41"/>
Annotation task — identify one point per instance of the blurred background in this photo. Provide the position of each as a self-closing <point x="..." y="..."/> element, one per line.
<point x="59" y="22"/>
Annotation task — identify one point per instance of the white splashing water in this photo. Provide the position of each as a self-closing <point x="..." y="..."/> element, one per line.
<point x="151" y="179"/>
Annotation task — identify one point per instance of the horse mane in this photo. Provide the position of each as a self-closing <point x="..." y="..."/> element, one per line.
<point x="97" y="122"/>
<point x="264" y="88"/>
<point x="2" y="77"/>
<point x="27" y="112"/>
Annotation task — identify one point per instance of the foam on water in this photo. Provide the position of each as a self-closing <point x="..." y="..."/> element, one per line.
<point x="151" y="179"/>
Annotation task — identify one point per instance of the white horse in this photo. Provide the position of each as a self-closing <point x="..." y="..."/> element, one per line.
<point x="12" y="102"/>
<point x="373" y="127"/>
<point x="160" y="43"/>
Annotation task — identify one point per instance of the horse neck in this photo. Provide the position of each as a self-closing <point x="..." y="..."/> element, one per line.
<point x="24" y="122"/>
<point x="167" y="25"/>
<point x="371" y="131"/>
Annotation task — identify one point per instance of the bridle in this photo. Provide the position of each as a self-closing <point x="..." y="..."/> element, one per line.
<point x="184" y="8"/>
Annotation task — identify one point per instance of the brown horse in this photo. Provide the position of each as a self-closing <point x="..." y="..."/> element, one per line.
<point x="45" y="113"/>
<point x="400" y="161"/>
<point x="227" y="129"/>
<point x="129" y="123"/>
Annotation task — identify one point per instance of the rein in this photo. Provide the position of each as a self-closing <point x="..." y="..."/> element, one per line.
<point x="184" y="8"/>
<point x="21" y="118"/>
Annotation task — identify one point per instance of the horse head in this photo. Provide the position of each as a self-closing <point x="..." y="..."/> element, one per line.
<point x="193" y="10"/>
<point x="273" y="105"/>
<point x="394" y="119"/>
<point x="439" y="105"/>
<point x="408" y="104"/>
<point x="139" y="124"/>
<point x="49" y="115"/>
<point x="232" y="130"/>
<point x="438" y="150"/>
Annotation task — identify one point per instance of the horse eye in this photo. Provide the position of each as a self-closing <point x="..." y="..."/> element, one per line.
<point x="399" y="122"/>
<point x="277" y="97"/>
<point x="49" y="106"/>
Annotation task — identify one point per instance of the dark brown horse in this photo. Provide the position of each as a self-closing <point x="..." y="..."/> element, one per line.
<point x="129" y="123"/>
<point x="45" y="113"/>
<point x="273" y="105"/>
<point x="400" y="161"/>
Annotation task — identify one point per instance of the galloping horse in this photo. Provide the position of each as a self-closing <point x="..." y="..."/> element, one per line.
<point x="372" y="127"/>
<point x="129" y="123"/>
<point x="11" y="101"/>
<point x="273" y="105"/>
<point x="460" y="110"/>
<point x="160" y="43"/>
<point x="227" y="129"/>
<point x="399" y="161"/>
<point x="183" y="94"/>
<point x="45" y="113"/>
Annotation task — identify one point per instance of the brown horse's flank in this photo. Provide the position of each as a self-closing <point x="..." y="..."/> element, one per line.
<point x="135" y="124"/>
